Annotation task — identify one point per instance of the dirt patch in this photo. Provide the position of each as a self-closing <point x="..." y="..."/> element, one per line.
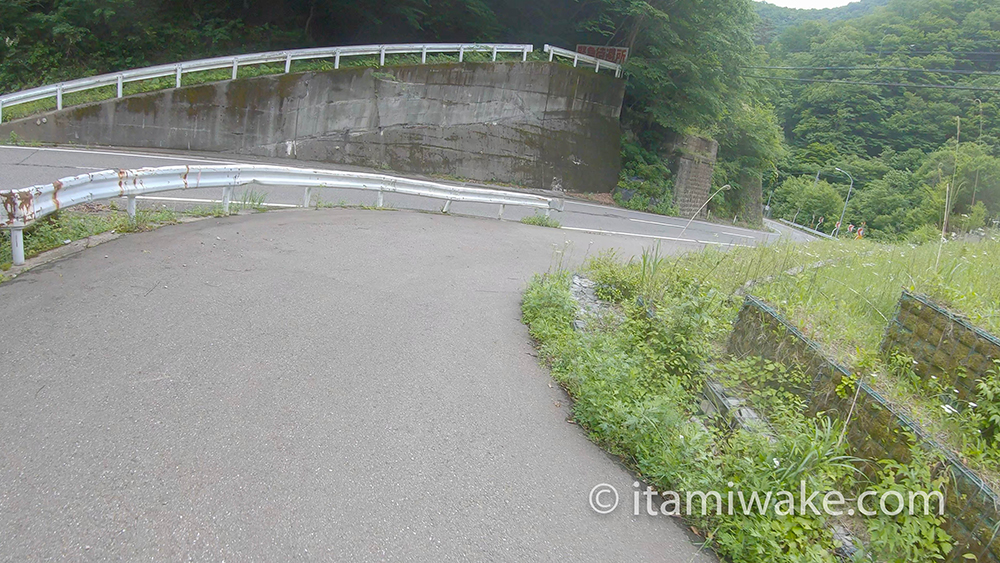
<point x="602" y="198"/>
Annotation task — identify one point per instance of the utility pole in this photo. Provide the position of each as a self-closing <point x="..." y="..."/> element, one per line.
<point x="836" y="230"/>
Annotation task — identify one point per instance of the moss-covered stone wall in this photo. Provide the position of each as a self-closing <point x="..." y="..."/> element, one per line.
<point x="876" y="430"/>
<point x="944" y="344"/>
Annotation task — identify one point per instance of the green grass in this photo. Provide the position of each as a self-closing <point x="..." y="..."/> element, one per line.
<point x="842" y="294"/>
<point x="636" y="378"/>
<point x="540" y="221"/>
<point x="251" y="200"/>
<point x="55" y="230"/>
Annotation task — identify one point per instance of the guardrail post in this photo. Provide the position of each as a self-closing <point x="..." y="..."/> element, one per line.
<point x="500" y="216"/>
<point x="447" y="206"/>
<point x="381" y="199"/>
<point x="551" y="54"/>
<point x="17" y="245"/>
<point x="423" y="55"/>
<point x="236" y="66"/>
<point x="597" y="66"/>
<point x="336" y="60"/>
<point x="381" y="56"/>
<point x="524" y="55"/>
<point x="575" y="59"/>
<point x="59" y="93"/>
<point x="461" y="53"/>
<point x="288" y="63"/>
<point x="121" y="85"/>
<point x="178" y="75"/>
<point x="307" y="197"/>
<point x="130" y="207"/>
<point x="1" y="111"/>
<point x="548" y="211"/>
<point x="227" y="196"/>
<point x="494" y="53"/>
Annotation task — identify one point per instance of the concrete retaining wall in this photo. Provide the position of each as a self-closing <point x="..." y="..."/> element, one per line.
<point x="877" y="430"/>
<point x="944" y="344"/>
<point x="537" y="124"/>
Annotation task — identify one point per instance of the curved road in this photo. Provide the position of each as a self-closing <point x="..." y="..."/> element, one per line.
<point x="332" y="384"/>
<point x="25" y="166"/>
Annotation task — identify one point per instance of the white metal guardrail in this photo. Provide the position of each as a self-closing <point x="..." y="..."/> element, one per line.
<point x="580" y="58"/>
<point x="177" y="70"/>
<point x="805" y="228"/>
<point x="23" y="206"/>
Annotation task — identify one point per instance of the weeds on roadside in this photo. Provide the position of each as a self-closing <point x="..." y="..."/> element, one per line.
<point x="63" y="227"/>
<point x="541" y="221"/>
<point x="636" y="387"/>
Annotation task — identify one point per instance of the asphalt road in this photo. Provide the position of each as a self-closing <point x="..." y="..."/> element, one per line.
<point x="26" y="166"/>
<point x="333" y="384"/>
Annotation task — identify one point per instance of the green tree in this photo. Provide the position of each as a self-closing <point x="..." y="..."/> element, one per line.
<point x="805" y="201"/>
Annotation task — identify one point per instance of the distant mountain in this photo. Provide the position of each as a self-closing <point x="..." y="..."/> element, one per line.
<point x="774" y="19"/>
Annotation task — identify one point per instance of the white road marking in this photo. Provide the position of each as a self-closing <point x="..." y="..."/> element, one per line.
<point x="196" y="200"/>
<point x="112" y="153"/>
<point x="737" y="235"/>
<point x="603" y="232"/>
<point x="654" y="223"/>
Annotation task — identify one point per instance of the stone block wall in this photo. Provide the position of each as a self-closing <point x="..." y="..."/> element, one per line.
<point x="876" y="430"/>
<point x="944" y="344"/>
<point x="694" y="162"/>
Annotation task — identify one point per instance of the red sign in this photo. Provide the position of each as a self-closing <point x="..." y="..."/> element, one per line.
<point x="605" y="53"/>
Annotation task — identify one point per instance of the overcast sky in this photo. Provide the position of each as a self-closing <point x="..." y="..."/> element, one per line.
<point x="805" y="4"/>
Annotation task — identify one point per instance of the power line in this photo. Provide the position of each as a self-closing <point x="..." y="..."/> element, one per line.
<point x="874" y="69"/>
<point x="885" y="84"/>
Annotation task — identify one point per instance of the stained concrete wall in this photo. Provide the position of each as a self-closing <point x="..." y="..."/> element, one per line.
<point x="876" y="429"/>
<point x="693" y="163"/>
<point x="537" y="124"/>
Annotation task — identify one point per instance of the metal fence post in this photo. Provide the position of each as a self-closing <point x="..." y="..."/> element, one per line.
<point x="59" y="93"/>
<point x="227" y="196"/>
<point x="236" y="65"/>
<point x="17" y="245"/>
<point x="130" y="207"/>
<point x="288" y="63"/>
<point x="178" y="73"/>
<point x="121" y="85"/>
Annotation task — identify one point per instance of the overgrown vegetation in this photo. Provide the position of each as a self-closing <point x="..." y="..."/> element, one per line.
<point x="64" y="227"/>
<point x="843" y="294"/>
<point x="541" y="221"/>
<point x="636" y="374"/>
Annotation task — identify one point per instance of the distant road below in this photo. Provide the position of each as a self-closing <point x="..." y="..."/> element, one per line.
<point x="25" y="166"/>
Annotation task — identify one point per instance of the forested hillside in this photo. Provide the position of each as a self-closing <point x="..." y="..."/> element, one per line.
<point x="775" y="19"/>
<point x="788" y="94"/>
<point x="886" y="97"/>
